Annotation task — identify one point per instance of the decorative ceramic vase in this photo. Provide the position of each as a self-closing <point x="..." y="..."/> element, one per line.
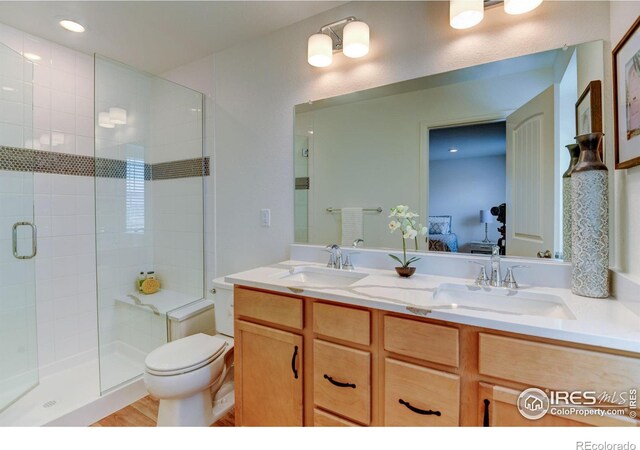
<point x="574" y="152"/>
<point x="590" y="220"/>
<point x="405" y="272"/>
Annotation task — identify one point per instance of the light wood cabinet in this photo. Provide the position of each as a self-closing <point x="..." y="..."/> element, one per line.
<point x="324" y="419"/>
<point x="415" y="396"/>
<point x="555" y="366"/>
<point x="421" y="340"/>
<point x="303" y="361"/>
<point x="269" y="378"/>
<point x="347" y="324"/>
<point x="499" y="409"/>
<point x="341" y="380"/>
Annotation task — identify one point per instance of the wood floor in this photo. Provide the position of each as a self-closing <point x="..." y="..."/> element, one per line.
<point x="144" y="413"/>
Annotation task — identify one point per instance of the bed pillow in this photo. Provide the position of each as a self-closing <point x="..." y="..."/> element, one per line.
<point x="439" y="224"/>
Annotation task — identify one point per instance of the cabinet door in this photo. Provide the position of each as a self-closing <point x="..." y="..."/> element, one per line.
<point x="498" y="408"/>
<point x="268" y="376"/>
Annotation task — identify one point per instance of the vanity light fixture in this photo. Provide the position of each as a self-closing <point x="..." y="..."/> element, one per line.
<point x="453" y="150"/>
<point x="348" y="35"/>
<point x="71" y="25"/>
<point x="8" y="89"/>
<point x="118" y="116"/>
<point x="104" y="121"/>
<point x="520" y="6"/>
<point x="356" y="39"/>
<point x="468" y="13"/>
<point x="465" y="13"/>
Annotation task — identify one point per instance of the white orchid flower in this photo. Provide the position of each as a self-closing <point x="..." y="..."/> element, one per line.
<point x="394" y="225"/>
<point x="410" y="233"/>
<point x="423" y="230"/>
<point x="411" y="215"/>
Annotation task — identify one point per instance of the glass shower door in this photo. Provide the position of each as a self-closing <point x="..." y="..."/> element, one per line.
<point x="18" y="245"/>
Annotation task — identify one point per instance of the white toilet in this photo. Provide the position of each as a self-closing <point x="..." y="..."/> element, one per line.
<point x="184" y="373"/>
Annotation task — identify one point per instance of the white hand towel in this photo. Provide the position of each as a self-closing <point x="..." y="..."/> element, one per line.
<point x="351" y="225"/>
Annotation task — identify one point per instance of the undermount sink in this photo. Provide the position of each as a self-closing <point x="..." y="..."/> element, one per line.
<point x="500" y="300"/>
<point x="320" y="277"/>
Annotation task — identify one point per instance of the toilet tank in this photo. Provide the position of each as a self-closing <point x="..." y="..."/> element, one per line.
<point x="223" y="299"/>
<point x="196" y="317"/>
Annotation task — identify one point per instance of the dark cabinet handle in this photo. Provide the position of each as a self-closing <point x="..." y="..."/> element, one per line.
<point x="337" y="383"/>
<point x="424" y="412"/>
<point x="293" y="362"/>
<point x="485" y="418"/>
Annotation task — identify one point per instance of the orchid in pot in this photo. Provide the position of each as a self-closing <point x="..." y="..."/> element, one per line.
<point x="406" y="221"/>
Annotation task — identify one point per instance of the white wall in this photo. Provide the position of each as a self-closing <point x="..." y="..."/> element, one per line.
<point x="627" y="182"/>
<point x="461" y="188"/>
<point x="257" y="84"/>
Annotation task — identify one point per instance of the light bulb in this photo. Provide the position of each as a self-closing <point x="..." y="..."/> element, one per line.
<point x="465" y="13"/>
<point x="355" y="38"/>
<point x="320" y="50"/>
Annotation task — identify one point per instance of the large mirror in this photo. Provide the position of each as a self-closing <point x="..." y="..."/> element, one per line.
<point x="478" y="153"/>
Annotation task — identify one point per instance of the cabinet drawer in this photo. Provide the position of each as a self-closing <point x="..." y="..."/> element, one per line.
<point x="342" y="380"/>
<point x="556" y="367"/>
<point x="416" y="396"/>
<point x="421" y="340"/>
<point x="339" y="322"/>
<point x="324" y="419"/>
<point x="274" y="308"/>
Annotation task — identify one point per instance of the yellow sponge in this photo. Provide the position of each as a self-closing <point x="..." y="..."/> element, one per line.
<point x="150" y="286"/>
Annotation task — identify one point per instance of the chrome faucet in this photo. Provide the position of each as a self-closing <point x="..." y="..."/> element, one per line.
<point x="335" y="256"/>
<point x="496" y="279"/>
<point x="496" y="272"/>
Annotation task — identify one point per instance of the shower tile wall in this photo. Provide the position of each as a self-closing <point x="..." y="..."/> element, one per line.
<point x="64" y="205"/>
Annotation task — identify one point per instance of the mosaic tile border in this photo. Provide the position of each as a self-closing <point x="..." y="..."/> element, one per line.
<point x="196" y="167"/>
<point x="28" y="160"/>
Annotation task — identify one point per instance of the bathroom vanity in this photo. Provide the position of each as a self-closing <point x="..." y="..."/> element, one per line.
<point x="375" y="350"/>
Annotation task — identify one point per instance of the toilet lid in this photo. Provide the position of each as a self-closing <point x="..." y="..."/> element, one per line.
<point x="185" y="353"/>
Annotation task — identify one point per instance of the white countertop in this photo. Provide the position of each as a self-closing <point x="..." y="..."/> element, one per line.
<point x="599" y="322"/>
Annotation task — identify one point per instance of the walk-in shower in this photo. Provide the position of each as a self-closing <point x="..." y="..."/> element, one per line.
<point x="101" y="178"/>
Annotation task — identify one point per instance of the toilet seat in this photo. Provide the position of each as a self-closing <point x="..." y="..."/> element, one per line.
<point x="184" y="355"/>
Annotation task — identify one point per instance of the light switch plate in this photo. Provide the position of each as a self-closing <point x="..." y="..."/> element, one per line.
<point x="265" y="217"/>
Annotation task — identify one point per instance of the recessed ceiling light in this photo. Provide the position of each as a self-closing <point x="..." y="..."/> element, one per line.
<point x="71" y="26"/>
<point x="453" y="150"/>
<point x="32" y="56"/>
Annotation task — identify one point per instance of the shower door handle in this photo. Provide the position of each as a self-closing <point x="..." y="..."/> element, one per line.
<point x="34" y="240"/>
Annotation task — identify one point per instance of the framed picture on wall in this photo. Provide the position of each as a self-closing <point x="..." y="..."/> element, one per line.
<point x="589" y="109"/>
<point x="626" y="98"/>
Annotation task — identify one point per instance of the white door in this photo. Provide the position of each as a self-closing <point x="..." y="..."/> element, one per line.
<point x="530" y="171"/>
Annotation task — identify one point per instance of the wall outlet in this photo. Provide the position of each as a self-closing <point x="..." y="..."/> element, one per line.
<point x="265" y="217"/>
